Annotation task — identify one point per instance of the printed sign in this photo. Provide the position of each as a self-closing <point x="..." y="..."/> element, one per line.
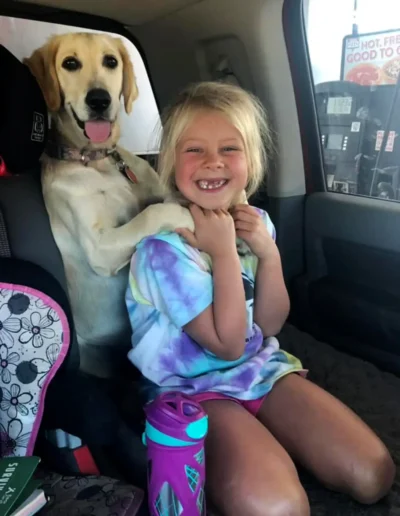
<point x="339" y="105"/>
<point x="371" y="59"/>
<point x="390" y="141"/>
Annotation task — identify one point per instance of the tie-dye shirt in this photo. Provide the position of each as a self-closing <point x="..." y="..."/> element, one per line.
<point x="170" y="284"/>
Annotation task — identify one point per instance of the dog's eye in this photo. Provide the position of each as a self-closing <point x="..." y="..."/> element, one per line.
<point x="110" y="62"/>
<point x="71" y="63"/>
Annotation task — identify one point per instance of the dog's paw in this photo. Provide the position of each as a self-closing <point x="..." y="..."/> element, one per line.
<point x="180" y="216"/>
<point x="149" y="201"/>
<point x="170" y="216"/>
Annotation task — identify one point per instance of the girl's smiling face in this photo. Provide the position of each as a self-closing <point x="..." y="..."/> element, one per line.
<point x="211" y="166"/>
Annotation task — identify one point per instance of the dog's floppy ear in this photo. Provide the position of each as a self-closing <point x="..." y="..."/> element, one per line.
<point x="129" y="86"/>
<point x="43" y="66"/>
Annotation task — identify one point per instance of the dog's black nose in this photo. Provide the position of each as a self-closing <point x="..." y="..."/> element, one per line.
<point x="98" y="100"/>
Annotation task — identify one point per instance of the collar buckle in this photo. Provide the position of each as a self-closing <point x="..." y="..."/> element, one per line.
<point x="84" y="158"/>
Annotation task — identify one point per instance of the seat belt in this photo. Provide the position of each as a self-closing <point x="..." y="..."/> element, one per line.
<point x="5" y="251"/>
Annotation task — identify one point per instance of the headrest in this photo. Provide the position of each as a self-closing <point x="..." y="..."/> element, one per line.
<point x="23" y="115"/>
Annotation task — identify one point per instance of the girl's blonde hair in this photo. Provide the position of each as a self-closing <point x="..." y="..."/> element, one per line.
<point x="244" y="111"/>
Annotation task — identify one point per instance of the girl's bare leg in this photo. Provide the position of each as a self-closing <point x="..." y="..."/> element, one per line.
<point x="248" y="471"/>
<point x="327" y="438"/>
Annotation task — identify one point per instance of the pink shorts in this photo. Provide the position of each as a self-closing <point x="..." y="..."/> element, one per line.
<point x="252" y="406"/>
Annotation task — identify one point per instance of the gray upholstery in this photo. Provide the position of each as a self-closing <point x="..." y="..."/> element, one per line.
<point x="27" y="222"/>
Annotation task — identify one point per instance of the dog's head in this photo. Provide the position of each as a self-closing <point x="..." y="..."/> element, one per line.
<point x="82" y="76"/>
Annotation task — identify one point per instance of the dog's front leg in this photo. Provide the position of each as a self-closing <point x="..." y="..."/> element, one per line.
<point x="111" y="248"/>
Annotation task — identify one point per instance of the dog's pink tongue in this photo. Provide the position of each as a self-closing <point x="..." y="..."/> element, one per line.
<point x="98" y="130"/>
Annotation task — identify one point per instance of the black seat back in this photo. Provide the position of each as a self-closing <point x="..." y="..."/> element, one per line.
<point x="81" y="419"/>
<point x="23" y="134"/>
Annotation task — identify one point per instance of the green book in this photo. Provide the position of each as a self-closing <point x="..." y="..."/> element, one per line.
<point x="16" y="482"/>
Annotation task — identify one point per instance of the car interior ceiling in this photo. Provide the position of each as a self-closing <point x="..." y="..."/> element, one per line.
<point x="340" y="254"/>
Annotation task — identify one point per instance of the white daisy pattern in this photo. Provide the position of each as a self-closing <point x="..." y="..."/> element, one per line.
<point x="43" y="366"/>
<point x="35" y="408"/>
<point x="8" y="363"/>
<point x="37" y="329"/>
<point x="53" y="315"/>
<point x="34" y="339"/>
<point x="12" y="440"/>
<point x="8" y="326"/>
<point x="41" y="304"/>
<point x="14" y="403"/>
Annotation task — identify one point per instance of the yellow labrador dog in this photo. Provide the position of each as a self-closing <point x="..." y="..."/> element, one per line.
<point x="95" y="192"/>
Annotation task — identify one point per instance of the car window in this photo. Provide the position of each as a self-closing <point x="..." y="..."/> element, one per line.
<point x="354" y="49"/>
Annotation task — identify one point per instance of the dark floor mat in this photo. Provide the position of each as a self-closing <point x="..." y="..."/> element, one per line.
<point x="372" y="394"/>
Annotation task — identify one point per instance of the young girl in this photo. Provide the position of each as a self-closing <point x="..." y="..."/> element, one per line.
<point x="205" y="307"/>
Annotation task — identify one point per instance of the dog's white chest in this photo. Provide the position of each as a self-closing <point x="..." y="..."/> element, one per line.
<point x="117" y="198"/>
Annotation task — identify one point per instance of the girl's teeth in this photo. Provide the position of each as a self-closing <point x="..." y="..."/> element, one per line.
<point x="211" y="185"/>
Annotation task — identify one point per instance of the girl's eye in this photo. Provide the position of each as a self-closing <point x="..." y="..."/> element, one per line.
<point x="193" y="149"/>
<point x="229" y="149"/>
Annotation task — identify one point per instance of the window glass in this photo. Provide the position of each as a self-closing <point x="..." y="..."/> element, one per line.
<point x="138" y="133"/>
<point x="354" y="48"/>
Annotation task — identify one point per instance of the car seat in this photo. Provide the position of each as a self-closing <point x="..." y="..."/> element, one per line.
<point x="82" y="428"/>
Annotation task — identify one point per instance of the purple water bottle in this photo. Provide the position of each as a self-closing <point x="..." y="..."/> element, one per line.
<point x="176" y="427"/>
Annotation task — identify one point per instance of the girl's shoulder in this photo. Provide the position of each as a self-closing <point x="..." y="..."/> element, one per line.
<point x="163" y="239"/>
<point x="168" y="247"/>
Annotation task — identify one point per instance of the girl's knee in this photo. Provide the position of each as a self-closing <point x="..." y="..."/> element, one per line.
<point x="373" y="477"/>
<point x="283" y="500"/>
<point x="288" y="504"/>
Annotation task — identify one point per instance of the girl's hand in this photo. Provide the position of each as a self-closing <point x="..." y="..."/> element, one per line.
<point x="214" y="232"/>
<point x="251" y="228"/>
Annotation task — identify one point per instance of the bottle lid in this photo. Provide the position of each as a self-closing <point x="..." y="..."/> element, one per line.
<point x="176" y="416"/>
